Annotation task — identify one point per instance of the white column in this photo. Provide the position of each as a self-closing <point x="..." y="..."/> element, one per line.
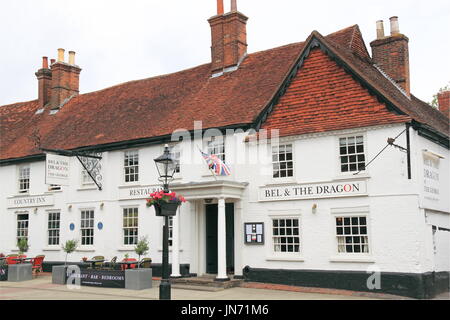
<point x="221" y="241"/>
<point x="176" y="245"/>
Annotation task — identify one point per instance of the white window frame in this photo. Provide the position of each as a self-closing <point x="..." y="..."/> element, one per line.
<point x="178" y="151"/>
<point x="170" y="236"/>
<point x="23" y="176"/>
<point x="85" y="178"/>
<point x="338" y="148"/>
<point x="125" y="153"/>
<point x="212" y="144"/>
<point x="20" y="229"/>
<point x="273" y="255"/>
<point x="347" y="256"/>
<point x="124" y="228"/>
<point x="53" y="228"/>
<point x="282" y="144"/>
<point x="85" y="228"/>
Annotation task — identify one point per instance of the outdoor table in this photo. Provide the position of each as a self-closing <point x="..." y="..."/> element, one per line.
<point x="93" y="262"/>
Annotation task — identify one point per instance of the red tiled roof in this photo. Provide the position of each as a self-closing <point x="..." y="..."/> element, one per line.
<point x="323" y="97"/>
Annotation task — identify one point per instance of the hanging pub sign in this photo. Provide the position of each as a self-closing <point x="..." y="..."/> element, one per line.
<point x="254" y="232"/>
<point x="57" y="169"/>
<point x="314" y="190"/>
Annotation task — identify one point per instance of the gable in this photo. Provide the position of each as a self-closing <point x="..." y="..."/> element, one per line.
<point x="322" y="96"/>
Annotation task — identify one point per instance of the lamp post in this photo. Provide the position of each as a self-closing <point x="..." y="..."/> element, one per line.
<point x="166" y="167"/>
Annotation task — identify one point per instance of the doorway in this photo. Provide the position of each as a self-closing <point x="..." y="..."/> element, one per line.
<point x="211" y="237"/>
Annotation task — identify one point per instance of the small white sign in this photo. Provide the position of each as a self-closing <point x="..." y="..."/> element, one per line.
<point x="314" y="190"/>
<point x="57" y="170"/>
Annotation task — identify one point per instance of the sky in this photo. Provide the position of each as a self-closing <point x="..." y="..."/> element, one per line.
<point x="119" y="41"/>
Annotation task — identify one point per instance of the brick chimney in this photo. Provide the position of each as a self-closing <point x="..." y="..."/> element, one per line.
<point x="444" y="102"/>
<point x="44" y="76"/>
<point x="65" y="79"/>
<point x="391" y="53"/>
<point x="228" y="37"/>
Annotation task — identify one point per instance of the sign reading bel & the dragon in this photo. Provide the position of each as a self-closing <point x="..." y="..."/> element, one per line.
<point x="314" y="190"/>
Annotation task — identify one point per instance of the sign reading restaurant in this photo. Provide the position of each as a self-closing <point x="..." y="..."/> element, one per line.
<point x="314" y="190"/>
<point x="30" y="201"/>
<point x="137" y="192"/>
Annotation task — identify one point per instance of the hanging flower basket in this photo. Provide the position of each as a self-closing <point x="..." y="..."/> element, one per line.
<point x="166" y="204"/>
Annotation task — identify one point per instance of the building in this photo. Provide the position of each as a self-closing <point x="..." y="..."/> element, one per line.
<point x="330" y="203"/>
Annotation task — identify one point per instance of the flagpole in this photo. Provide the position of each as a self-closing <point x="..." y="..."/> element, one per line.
<point x="213" y="173"/>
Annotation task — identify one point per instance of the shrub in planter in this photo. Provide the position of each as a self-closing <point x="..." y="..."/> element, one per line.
<point x="23" y="246"/>
<point x="69" y="247"/>
<point x="141" y="248"/>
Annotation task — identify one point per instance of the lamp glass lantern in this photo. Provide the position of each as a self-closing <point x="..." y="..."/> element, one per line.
<point x="166" y="167"/>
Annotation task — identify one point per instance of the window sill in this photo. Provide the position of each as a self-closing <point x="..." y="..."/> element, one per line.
<point x="351" y="176"/>
<point x="130" y="185"/>
<point x="87" y="249"/>
<point x="170" y="249"/>
<point x="125" y="249"/>
<point x="51" y="249"/>
<point x="355" y="259"/>
<point x="281" y="181"/>
<point x="88" y="187"/>
<point x="53" y="191"/>
<point x="286" y="258"/>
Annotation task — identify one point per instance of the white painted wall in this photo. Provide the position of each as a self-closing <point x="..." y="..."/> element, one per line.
<point x="399" y="233"/>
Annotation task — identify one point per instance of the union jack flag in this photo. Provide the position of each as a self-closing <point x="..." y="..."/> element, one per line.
<point x="216" y="164"/>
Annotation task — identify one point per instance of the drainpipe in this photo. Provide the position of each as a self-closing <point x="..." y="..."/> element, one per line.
<point x="408" y="150"/>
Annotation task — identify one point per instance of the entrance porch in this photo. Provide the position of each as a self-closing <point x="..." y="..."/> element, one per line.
<point x="216" y="232"/>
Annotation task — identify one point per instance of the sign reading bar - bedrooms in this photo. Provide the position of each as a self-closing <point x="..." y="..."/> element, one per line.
<point x="314" y="190"/>
<point x="57" y="170"/>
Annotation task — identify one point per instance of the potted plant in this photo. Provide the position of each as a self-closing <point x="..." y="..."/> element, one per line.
<point x="165" y="203"/>
<point x="23" y="246"/>
<point x="20" y="271"/>
<point x="141" y="248"/>
<point x="59" y="273"/>
<point x="138" y="279"/>
<point x="69" y="247"/>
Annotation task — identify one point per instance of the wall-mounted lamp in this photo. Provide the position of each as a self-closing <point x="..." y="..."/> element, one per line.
<point x="69" y="207"/>
<point x="102" y="205"/>
<point x="35" y="210"/>
<point x="314" y="208"/>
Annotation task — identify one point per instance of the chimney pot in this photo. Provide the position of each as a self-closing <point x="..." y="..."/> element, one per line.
<point x="52" y="61"/>
<point x="394" y="25"/>
<point x="60" y="55"/>
<point x="220" y="10"/>
<point x="380" y="29"/>
<point x="233" y="5"/>
<point x="71" y="57"/>
<point x="44" y="62"/>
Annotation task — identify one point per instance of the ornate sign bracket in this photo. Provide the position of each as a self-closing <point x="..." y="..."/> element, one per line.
<point x="89" y="160"/>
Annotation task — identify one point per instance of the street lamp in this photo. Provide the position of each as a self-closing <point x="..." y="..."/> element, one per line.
<point x="166" y="167"/>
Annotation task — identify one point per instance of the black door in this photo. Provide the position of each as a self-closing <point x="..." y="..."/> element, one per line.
<point x="211" y="237"/>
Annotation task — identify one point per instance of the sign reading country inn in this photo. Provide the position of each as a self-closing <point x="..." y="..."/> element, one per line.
<point x="314" y="190"/>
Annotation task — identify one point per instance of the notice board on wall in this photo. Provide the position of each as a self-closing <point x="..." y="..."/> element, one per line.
<point x="254" y="232"/>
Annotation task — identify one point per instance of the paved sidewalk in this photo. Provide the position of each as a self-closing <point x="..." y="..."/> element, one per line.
<point x="41" y="288"/>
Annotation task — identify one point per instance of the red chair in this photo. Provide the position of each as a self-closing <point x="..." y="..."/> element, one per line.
<point x="125" y="266"/>
<point x="10" y="259"/>
<point x="37" y="264"/>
